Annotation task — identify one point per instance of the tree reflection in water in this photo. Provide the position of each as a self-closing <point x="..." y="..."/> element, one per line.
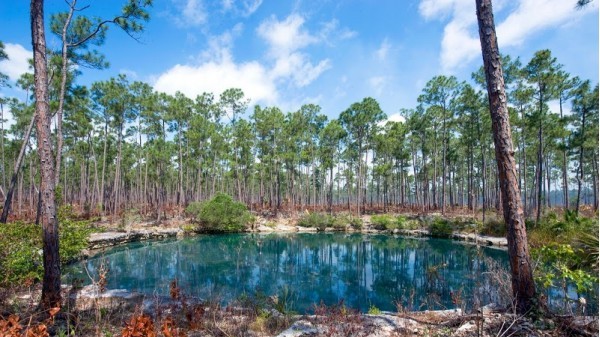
<point x="362" y="270"/>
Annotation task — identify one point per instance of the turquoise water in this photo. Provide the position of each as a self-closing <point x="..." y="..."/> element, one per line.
<point x="307" y="269"/>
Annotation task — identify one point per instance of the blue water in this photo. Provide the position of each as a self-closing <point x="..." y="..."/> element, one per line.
<point x="361" y="270"/>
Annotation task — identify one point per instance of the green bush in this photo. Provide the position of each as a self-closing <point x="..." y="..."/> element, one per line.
<point x="73" y="238"/>
<point x="558" y="265"/>
<point x="383" y="222"/>
<point x="355" y="222"/>
<point x="220" y="214"/>
<point x="373" y="310"/>
<point x="193" y="209"/>
<point x="401" y="222"/>
<point x="587" y="245"/>
<point x="440" y="228"/>
<point x="412" y="224"/>
<point x="21" y="256"/>
<point x="565" y="229"/>
<point x="316" y="220"/>
<point x="341" y="221"/>
<point x="494" y="227"/>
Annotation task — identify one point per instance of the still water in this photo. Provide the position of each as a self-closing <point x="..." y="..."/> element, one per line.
<point x="363" y="271"/>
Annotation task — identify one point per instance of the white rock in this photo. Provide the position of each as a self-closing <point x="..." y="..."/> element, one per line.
<point x="298" y="329"/>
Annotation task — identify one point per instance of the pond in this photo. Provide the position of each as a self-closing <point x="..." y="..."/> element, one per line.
<point x="363" y="271"/>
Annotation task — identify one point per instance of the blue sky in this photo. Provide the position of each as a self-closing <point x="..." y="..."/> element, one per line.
<point x="328" y="52"/>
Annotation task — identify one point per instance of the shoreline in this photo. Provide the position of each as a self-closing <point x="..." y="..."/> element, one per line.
<point x="490" y="320"/>
<point x="143" y="232"/>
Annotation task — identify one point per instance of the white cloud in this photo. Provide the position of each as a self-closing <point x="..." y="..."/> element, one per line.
<point x="220" y="46"/>
<point x="459" y="47"/>
<point x="396" y="118"/>
<point x="241" y="7"/>
<point x="285" y="36"/>
<point x="383" y="50"/>
<point x="377" y="83"/>
<point x="460" y="42"/>
<point x="285" y="39"/>
<point x="250" y="6"/>
<point x="216" y="70"/>
<point x="534" y="15"/>
<point x="392" y="118"/>
<point x="227" y="4"/>
<point x="435" y="9"/>
<point x="331" y="30"/>
<point x="7" y="116"/>
<point x="218" y="75"/>
<point x="191" y="13"/>
<point x="17" y="63"/>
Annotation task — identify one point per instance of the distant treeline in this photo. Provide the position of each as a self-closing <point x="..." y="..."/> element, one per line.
<point x="128" y="147"/>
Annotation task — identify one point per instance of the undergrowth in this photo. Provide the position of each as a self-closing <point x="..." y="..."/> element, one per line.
<point x="21" y="257"/>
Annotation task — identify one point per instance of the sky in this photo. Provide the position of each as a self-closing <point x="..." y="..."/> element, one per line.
<point x="327" y="52"/>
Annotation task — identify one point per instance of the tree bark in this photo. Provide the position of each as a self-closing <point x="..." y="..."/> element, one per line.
<point x="565" y="181"/>
<point x="518" y="250"/>
<point x="580" y="173"/>
<point x="51" y="281"/>
<point x="539" y="170"/>
<point x="63" y="86"/>
<point x="17" y="168"/>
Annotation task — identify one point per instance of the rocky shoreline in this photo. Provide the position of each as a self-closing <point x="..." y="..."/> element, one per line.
<point x="107" y="239"/>
<point x="490" y="320"/>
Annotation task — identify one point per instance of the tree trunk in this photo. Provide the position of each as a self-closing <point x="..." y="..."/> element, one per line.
<point x="17" y="168"/>
<point x="63" y="86"/>
<point x="51" y="281"/>
<point x="565" y="181"/>
<point x="180" y="192"/>
<point x="483" y="184"/>
<point x="580" y="173"/>
<point x="539" y="171"/>
<point x="3" y="167"/>
<point x="524" y="159"/>
<point x="518" y="250"/>
<point x="595" y="179"/>
<point x="444" y="161"/>
<point x="101" y="199"/>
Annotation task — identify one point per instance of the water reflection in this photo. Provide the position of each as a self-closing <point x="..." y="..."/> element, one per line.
<point x="362" y="270"/>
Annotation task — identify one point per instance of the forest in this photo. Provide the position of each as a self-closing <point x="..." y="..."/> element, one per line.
<point x="516" y="141"/>
<point x="130" y="149"/>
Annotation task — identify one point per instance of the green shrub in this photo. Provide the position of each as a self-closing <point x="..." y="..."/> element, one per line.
<point x="587" y="245"/>
<point x="373" y="310"/>
<point x="187" y="228"/>
<point x="21" y="255"/>
<point x="193" y="209"/>
<point x="440" y="228"/>
<point x="493" y="227"/>
<point x="355" y="222"/>
<point x="383" y="222"/>
<point x="412" y="224"/>
<point x="559" y="265"/>
<point x="341" y="221"/>
<point x="220" y="214"/>
<point x="73" y="239"/>
<point x="567" y="229"/>
<point x="316" y="220"/>
<point x="401" y="222"/>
